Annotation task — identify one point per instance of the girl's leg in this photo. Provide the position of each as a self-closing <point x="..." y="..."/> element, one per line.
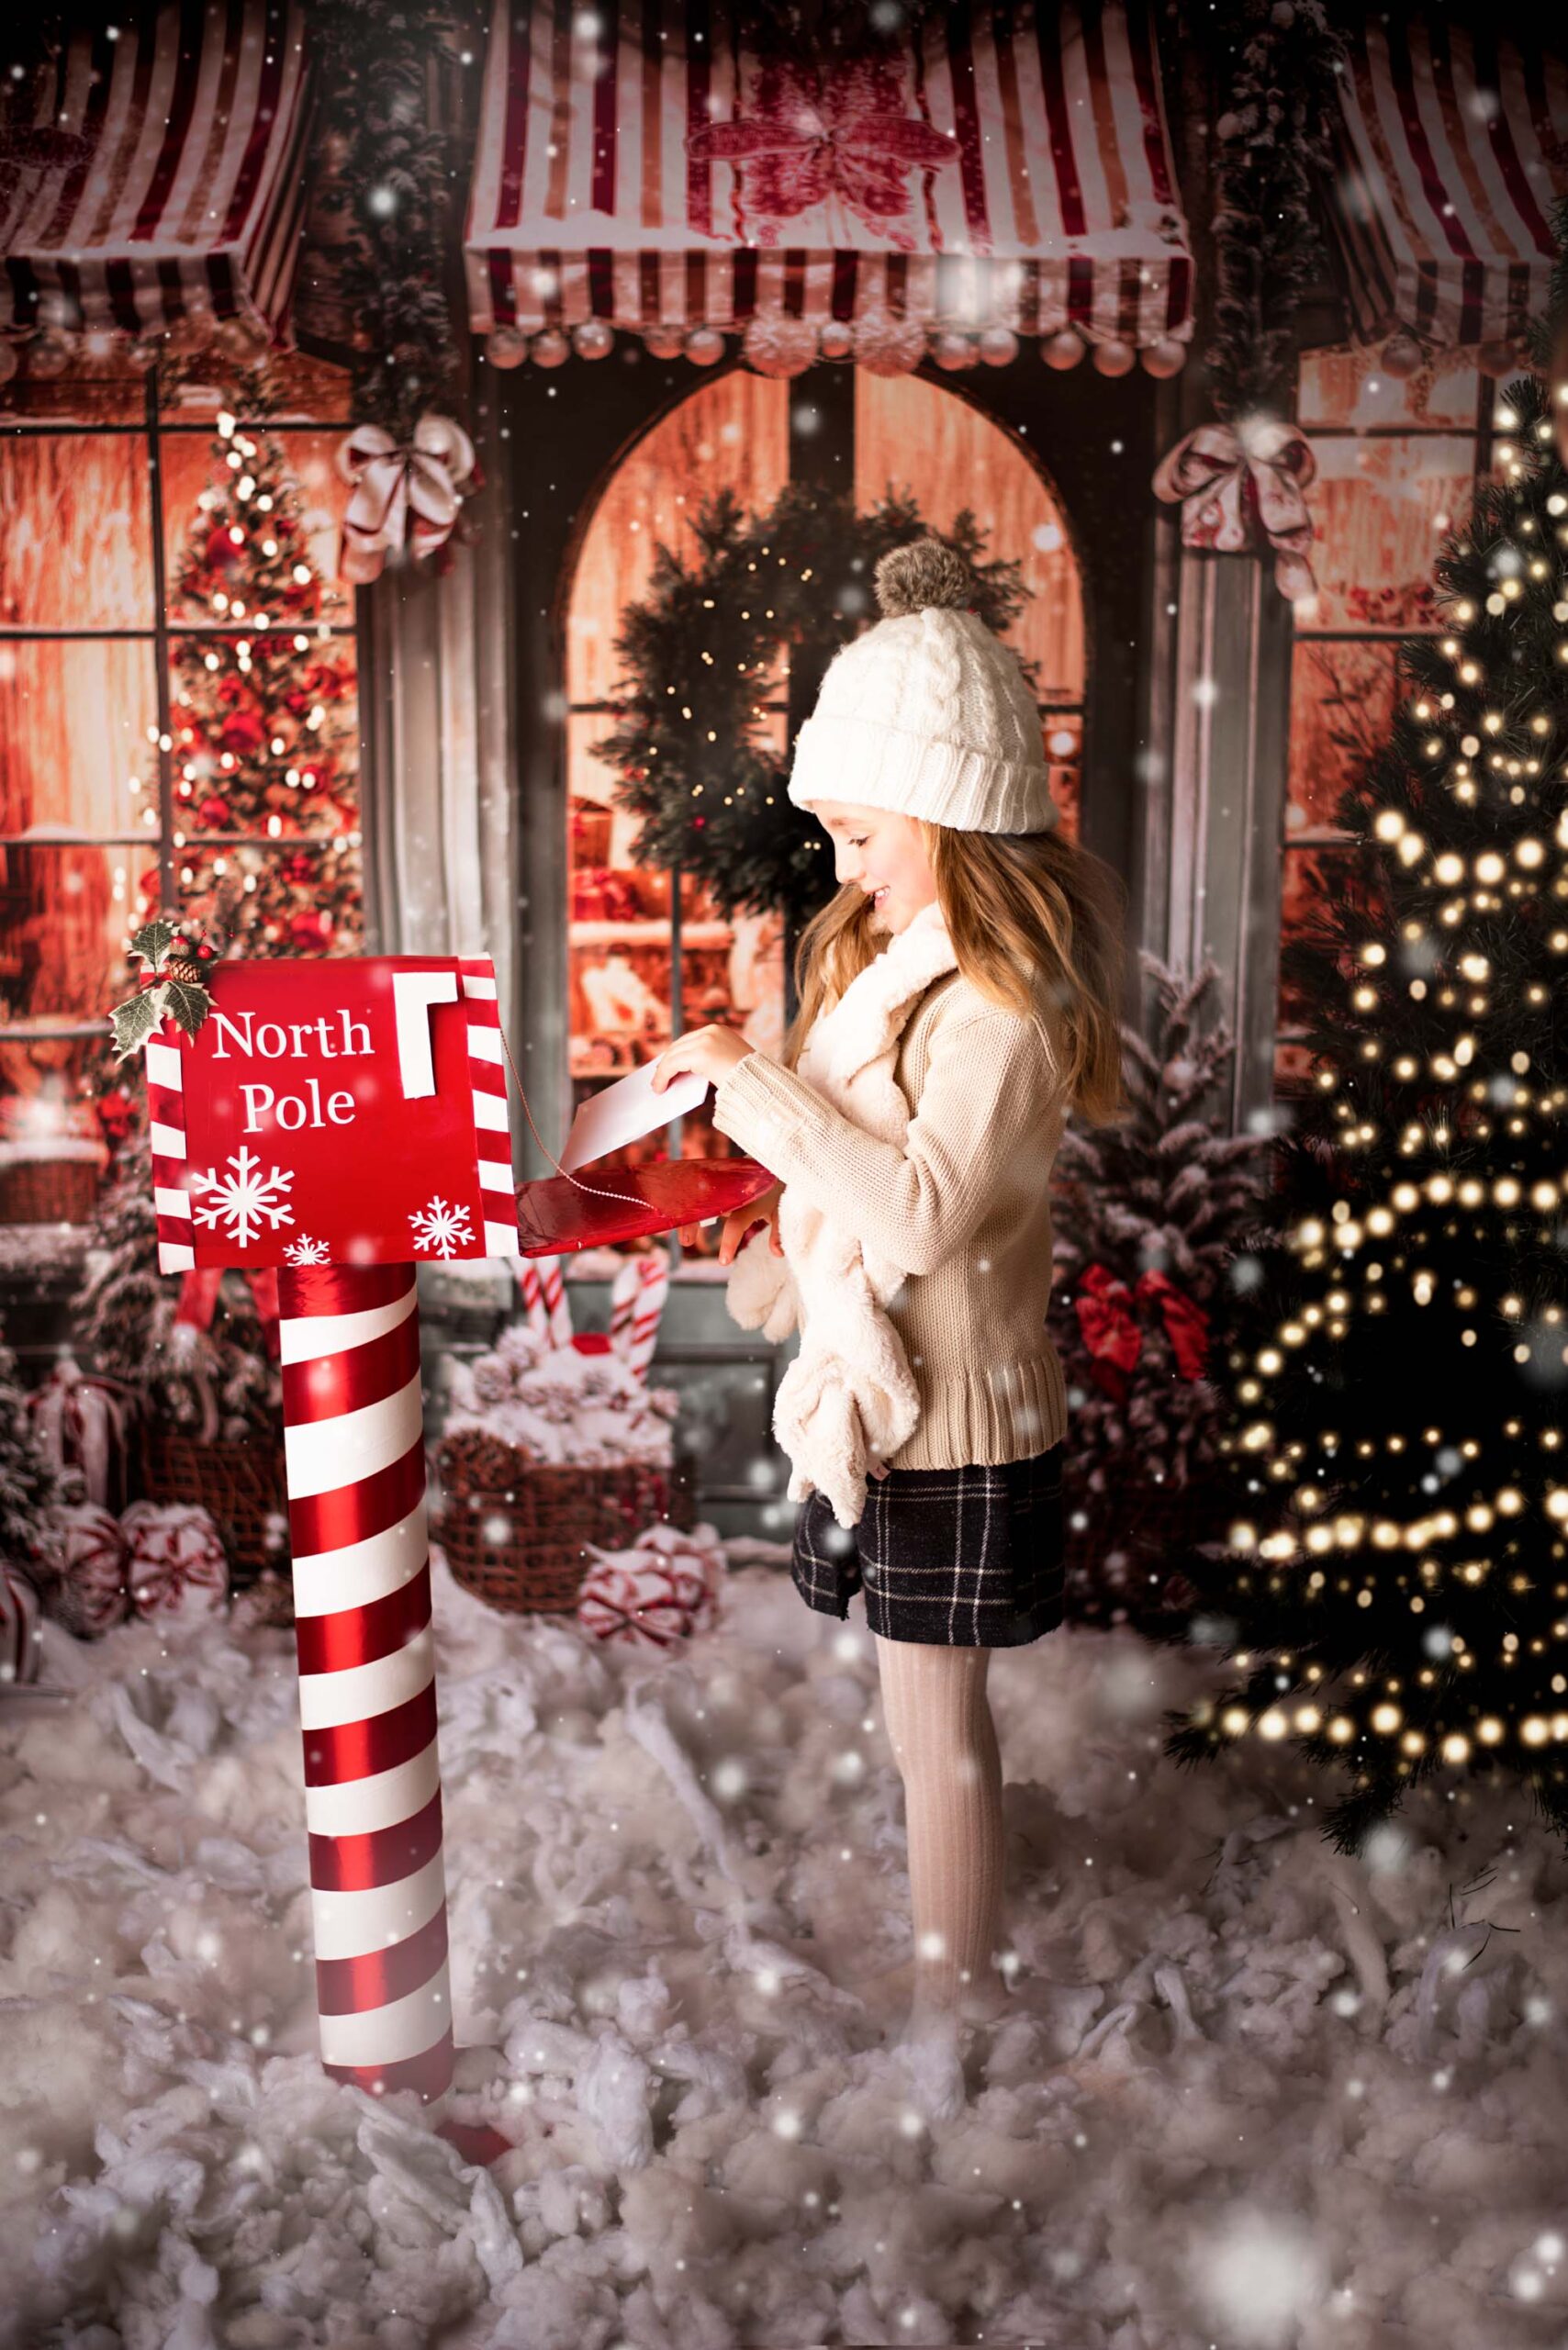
<point x="943" y="1741"/>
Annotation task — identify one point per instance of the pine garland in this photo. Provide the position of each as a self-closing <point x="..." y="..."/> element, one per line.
<point x="378" y="63"/>
<point x="702" y="653"/>
<point x="1270" y="141"/>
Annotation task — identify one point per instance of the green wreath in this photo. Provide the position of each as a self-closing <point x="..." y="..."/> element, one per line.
<point x="701" y="659"/>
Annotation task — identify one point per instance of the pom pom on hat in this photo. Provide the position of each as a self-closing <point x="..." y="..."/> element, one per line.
<point x="923" y="576"/>
<point x="927" y="712"/>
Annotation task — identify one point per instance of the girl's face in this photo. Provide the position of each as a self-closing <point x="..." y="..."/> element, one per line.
<point x="883" y="853"/>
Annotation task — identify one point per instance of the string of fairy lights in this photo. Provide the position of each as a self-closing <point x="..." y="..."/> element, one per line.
<point x="1490" y="744"/>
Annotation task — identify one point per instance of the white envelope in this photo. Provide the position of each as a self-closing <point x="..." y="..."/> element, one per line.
<point x="623" y="1112"/>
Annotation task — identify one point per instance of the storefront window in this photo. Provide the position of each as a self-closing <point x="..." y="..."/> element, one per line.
<point x="166" y="739"/>
<point x="1396" y="465"/>
<point x="631" y="988"/>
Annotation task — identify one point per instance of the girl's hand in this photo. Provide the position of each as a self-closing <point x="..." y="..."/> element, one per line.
<point x="711" y="1052"/>
<point x="741" y="1221"/>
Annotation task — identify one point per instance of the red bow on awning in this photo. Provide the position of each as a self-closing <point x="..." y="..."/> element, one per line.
<point x="198" y="1299"/>
<point x="1105" y="1307"/>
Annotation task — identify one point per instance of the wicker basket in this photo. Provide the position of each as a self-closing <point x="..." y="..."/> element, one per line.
<point x="514" y="1532"/>
<point x="49" y="1191"/>
<point x="240" y="1485"/>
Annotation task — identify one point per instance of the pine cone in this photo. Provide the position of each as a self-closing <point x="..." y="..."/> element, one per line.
<point x="181" y="968"/>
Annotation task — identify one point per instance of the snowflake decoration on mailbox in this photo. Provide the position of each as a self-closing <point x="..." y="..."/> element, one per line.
<point x="347" y="1112"/>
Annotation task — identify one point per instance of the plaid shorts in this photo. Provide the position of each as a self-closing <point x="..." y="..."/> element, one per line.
<point x="958" y="1557"/>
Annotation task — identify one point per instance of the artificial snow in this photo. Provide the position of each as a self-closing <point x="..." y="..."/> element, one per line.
<point x="1253" y="2095"/>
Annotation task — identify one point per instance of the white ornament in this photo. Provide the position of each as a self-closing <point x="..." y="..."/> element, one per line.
<point x="551" y="348"/>
<point x="1164" y="358"/>
<point x="999" y="346"/>
<point x="1063" y="350"/>
<point x="775" y="345"/>
<point x="704" y="345"/>
<point x="440" y="1229"/>
<point x="244" y="1201"/>
<point x="1401" y="354"/>
<point x="506" y="347"/>
<point x="595" y="339"/>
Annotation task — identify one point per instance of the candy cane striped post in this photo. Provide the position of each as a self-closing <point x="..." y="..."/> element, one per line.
<point x="354" y="1461"/>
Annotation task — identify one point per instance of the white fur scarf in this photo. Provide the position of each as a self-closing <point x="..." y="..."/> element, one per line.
<point x="849" y="1398"/>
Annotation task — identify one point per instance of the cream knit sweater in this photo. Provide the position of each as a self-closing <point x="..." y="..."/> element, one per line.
<point x="964" y="1203"/>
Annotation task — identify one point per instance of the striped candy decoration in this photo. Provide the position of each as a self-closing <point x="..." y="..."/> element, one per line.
<point x="557" y="1313"/>
<point x="166" y="1134"/>
<point x="487" y="1070"/>
<point x="353" y="1444"/>
<point x="653" y="1288"/>
<point x="625" y="1291"/>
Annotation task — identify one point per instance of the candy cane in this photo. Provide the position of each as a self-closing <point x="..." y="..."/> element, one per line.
<point x="353" y="1451"/>
<point x="533" y="1291"/>
<point x="653" y="1269"/>
<point x="559" y="1312"/>
<point x="625" y="1291"/>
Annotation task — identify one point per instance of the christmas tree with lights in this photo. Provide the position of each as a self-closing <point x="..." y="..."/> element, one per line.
<point x="265" y="731"/>
<point x="1393" y="1590"/>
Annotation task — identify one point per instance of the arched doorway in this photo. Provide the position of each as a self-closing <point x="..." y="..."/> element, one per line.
<point x="629" y="990"/>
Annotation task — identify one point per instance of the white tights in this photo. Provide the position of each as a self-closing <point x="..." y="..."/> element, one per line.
<point x="943" y="1741"/>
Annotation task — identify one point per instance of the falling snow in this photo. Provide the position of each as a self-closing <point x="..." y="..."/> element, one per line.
<point x="439" y="1229"/>
<point x="1248" y="2092"/>
<point x="243" y="1201"/>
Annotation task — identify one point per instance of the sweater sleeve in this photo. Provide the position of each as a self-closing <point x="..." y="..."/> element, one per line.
<point x="915" y="1203"/>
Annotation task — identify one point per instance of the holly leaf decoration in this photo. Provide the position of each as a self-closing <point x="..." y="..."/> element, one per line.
<point x="136" y="1019"/>
<point x="188" y="1005"/>
<point x="153" y="940"/>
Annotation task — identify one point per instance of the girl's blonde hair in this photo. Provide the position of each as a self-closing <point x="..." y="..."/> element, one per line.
<point x="1035" y="923"/>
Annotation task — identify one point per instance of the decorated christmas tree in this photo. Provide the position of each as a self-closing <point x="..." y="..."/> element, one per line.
<point x="1393" y="1587"/>
<point x="265" y="732"/>
<point x="215" y="1382"/>
<point x="1149" y="1214"/>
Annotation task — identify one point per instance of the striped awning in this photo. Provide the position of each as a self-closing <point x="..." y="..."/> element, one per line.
<point x="1449" y="151"/>
<point x="635" y="167"/>
<point x="162" y="176"/>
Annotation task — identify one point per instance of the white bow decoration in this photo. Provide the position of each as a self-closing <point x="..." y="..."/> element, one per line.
<point x="1238" y="483"/>
<point x="395" y="487"/>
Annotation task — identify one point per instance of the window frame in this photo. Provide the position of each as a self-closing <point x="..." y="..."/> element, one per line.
<point x="1308" y="840"/>
<point x="152" y="430"/>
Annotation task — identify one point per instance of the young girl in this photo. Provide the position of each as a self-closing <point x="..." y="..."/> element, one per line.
<point x="957" y="996"/>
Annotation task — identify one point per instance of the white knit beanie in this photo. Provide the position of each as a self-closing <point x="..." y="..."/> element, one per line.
<point x="927" y="712"/>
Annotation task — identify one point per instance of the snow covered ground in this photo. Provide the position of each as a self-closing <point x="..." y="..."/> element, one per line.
<point x="1254" y="2094"/>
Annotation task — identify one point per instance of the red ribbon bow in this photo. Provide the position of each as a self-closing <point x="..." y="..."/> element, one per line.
<point x="1105" y="1307"/>
<point x="198" y="1299"/>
